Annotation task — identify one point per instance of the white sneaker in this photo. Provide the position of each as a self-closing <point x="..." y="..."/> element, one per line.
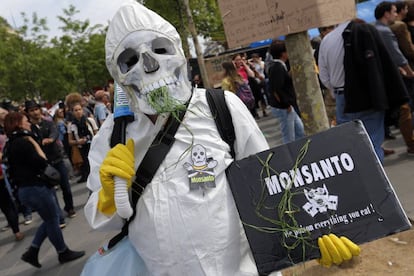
<point x="27" y="220"/>
<point x="5" y="228"/>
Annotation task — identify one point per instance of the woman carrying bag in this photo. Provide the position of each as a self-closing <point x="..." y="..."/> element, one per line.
<point x="26" y="162"/>
<point x="233" y="82"/>
<point x="81" y="131"/>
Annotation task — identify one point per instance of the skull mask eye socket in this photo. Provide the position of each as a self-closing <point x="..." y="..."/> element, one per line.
<point x="163" y="46"/>
<point x="127" y="60"/>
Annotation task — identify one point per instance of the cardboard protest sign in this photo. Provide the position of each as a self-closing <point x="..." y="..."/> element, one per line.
<point x="337" y="186"/>
<point x="247" y="21"/>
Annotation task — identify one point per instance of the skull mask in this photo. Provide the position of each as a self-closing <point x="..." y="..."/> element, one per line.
<point x="198" y="155"/>
<point x="144" y="55"/>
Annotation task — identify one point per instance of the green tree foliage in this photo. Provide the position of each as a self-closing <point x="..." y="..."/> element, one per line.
<point x="206" y="16"/>
<point x="31" y="66"/>
<point x="34" y="66"/>
<point x="208" y="21"/>
<point x="84" y="47"/>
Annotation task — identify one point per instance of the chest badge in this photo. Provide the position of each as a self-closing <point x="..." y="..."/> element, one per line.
<point x="201" y="171"/>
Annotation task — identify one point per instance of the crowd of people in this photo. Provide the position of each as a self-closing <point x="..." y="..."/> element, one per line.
<point x="386" y="89"/>
<point x="367" y="68"/>
<point x="270" y="83"/>
<point x="32" y="137"/>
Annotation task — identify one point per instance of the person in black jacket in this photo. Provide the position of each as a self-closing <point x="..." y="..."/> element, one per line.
<point x="282" y="95"/>
<point x="7" y="202"/>
<point x="355" y="64"/>
<point x="26" y="162"/>
<point x="46" y="134"/>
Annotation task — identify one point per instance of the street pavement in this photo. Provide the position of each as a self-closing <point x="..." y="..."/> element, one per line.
<point x="79" y="236"/>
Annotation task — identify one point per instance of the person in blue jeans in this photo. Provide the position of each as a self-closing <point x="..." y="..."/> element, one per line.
<point x="282" y="95"/>
<point x="46" y="134"/>
<point x="290" y="124"/>
<point x="26" y="162"/>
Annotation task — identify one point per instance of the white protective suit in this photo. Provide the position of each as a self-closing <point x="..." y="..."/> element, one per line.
<point x="178" y="231"/>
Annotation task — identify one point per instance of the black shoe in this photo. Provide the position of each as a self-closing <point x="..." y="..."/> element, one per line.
<point x="71" y="213"/>
<point x="31" y="257"/>
<point x="69" y="255"/>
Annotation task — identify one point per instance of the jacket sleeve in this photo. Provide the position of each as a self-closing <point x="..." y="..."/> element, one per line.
<point x="53" y="131"/>
<point x="25" y="153"/>
<point x="277" y="83"/>
<point x="404" y="39"/>
<point x="391" y="44"/>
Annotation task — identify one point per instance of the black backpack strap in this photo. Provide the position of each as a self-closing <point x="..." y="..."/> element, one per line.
<point x="222" y="117"/>
<point x="149" y="166"/>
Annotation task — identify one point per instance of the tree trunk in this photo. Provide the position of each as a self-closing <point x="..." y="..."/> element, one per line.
<point x="193" y="31"/>
<point x="306" y="83"/>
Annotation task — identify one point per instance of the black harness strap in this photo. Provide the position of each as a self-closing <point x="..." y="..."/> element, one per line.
<point x="162" y="144"/>
<point x="222" y="117"/>
<point x="149" y="166"/>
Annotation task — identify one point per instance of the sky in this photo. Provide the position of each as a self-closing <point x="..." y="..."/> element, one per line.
<point x="97" y="11"/>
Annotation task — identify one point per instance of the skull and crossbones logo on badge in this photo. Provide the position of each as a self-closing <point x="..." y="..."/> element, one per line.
<point x="201" y="171"/>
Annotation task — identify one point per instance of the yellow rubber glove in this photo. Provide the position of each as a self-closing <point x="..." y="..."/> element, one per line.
<point x="336" y="250"/>
<point x="118" y="162"/>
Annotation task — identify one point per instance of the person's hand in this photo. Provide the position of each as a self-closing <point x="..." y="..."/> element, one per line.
<point x="119" y="162"/>
<point x="336" y="250"/>
<point x="47" y="141"/>
<point x="82" y="141"/>
<point x="402" y="72"/>
<point x="409" y="74"/>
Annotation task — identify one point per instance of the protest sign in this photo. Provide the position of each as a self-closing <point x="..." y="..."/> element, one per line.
<point x="248" y="21"/>
<point x="337" y="186"/>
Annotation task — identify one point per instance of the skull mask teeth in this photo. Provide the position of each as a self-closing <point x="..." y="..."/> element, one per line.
<point x="148" y="61"/>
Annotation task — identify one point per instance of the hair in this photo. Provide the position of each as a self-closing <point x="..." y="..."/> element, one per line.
<point x="73" y="98"/>
<point x="75" y="104"/>
<point x="410" y="14"/>
<point x="277" y="48"/>
<point x="359" y="21"/>
<point x="12" y="122"/>
<point x="231" y="72"/>
<point x="241" y="55"/>
<point x="56" y="117"/>
<point x="400" y="5"/>
<point x="325" y="28"/>
<point x="315" y="42"/>
<point x="99" y="95"/>
<point x="382" y="8"/>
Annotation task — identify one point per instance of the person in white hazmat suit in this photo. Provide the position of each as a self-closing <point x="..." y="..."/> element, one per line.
<point x="176" y="231"/>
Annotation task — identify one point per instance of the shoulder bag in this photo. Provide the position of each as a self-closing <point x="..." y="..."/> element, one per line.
<point x="246" y="95"/>
<point x="50" y="176"/>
